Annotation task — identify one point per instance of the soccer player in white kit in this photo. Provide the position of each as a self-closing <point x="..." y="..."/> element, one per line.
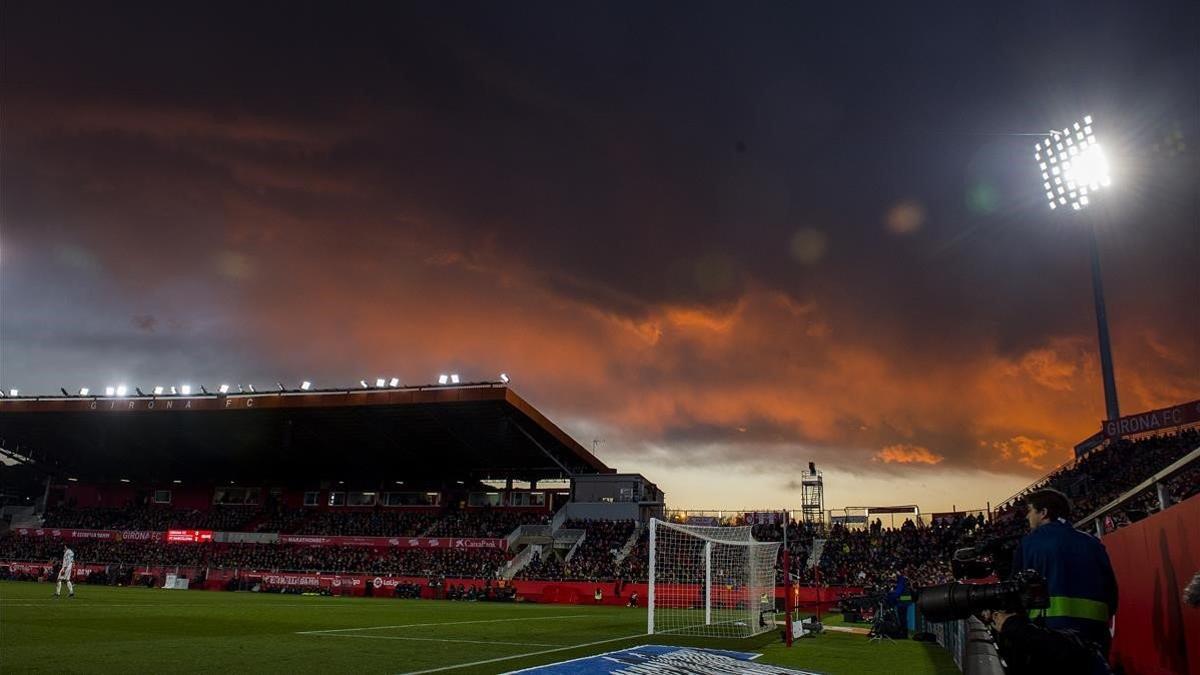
<point x="64" y="574"/>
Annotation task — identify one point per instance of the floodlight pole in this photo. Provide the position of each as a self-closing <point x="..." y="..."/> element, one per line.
<point x="1112" y="410"/>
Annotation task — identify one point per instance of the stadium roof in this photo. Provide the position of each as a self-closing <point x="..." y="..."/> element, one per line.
<point x="418" y="434"/>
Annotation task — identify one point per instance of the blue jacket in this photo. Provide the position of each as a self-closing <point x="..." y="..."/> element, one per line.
<point x="1083" y="588"/>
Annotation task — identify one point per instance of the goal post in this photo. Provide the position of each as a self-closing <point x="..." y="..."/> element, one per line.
<point x="709" y="581"/>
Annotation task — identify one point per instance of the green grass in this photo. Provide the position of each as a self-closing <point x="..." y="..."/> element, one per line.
<point x="152" y="631"/>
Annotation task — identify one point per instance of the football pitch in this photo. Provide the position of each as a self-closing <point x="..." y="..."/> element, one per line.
<point x="107" y="629"/>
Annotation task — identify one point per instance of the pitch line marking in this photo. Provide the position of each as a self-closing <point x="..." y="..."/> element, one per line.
<point x="421" y="639"/>
<point x="637" y="636"/>
<point x="443" y="623"/>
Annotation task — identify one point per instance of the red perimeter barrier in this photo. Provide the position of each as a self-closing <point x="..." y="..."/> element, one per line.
<point x="1156" y="633"/>
<point x="46" y="569"/>
<point x="560" y="592"/>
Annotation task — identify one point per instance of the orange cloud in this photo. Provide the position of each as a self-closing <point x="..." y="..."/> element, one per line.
<point x="1027" y="451"/>
<point x="907" y="454"/>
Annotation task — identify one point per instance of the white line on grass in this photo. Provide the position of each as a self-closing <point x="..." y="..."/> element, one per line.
<point x="444" y="623"/>
<point x="422" y="639"/>
<point x="521" y="656"/>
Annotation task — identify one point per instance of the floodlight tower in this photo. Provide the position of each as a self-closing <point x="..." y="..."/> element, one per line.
<point x="1074" y="169"/>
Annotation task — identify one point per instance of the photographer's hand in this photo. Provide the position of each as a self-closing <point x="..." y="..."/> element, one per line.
<point x="998" y="619"/>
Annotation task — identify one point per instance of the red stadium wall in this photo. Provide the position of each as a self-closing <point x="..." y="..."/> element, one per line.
<point x="198" y="498"/>
<point x="1154" y="559"/>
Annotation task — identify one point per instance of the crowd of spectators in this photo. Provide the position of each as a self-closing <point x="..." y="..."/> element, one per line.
<point x="374" y="523"/>
<point x="1103" y="475"/>
<point x="456" y="563"/>
<point x="484" y="523"/>
<point x="14" y="547"/>
<point x="151" y="518"/>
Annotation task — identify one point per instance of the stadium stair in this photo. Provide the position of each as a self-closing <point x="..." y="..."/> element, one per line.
<point x="21" y="516"/>
<point x="575" y="547"/>
<point x="629" y="544"/>
<point x="814" y="556"/>
<point x="519" y="561"/>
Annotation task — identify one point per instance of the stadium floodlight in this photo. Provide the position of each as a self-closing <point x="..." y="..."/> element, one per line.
<point x="13" y="392"/>
<point x="443" y="379"/>
<point x="250" y="387"/>
<point x="395" y="382"/>
<point x="177" y="481"/>
<point x="158" y="390"/>
<point x="380" y="382"/>
<point x="121" y="389"/>
<point x="110" y="391"/>
<point x="174" y="391"/>
<point x="83" y="391"/>
<point x="364" y="384"/>
<point x="124" y="480"/>
<point x="1072" y="164"/>
<point x="454" y="378"/>
<point x="224" y="389"/>
<point x="73" y="480"/>
<point x="1073" y="169"/>
<point x="305" y="385"/>
<point x="504" y="378"/>
<point x="185" y="389"/>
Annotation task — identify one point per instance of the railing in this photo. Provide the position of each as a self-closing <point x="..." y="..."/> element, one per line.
<point x="629" y="545"/>
<point x="568" y="536"/>
<point x="560" y="516"/>
<point x="1095" y="519"/>
<point x="575" y="547"/>
<point x="539" y="531"/>
<point x="969" y="642"/>
<point x="519" y="562"/>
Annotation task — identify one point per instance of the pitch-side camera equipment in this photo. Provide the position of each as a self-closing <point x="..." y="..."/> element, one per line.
<point x="1024" y="591"/>
<point x="988" y="557"/>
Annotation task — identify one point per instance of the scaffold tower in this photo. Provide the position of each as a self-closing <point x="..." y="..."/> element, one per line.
<point x="812" y="495"/>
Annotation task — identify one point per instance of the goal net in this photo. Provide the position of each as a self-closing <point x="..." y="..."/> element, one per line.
<point x="709" y="581"/>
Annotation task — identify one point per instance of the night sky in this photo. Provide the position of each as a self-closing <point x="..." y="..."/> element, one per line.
<point x="725" y="239"/>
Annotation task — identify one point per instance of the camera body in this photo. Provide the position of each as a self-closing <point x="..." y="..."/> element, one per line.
<point x="988" y="557"/>
<point x="1026" y="590"/>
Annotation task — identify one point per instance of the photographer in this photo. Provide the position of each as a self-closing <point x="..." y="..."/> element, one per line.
<point x="1079" y="576"/>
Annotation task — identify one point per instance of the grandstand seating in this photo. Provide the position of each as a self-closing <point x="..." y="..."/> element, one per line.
<point x="150" y="518"/>
<point x="860" y="557"/>
<point x="376" y="523"/>
<point x="483" y="523"/>
<point x="1099" y="477"/>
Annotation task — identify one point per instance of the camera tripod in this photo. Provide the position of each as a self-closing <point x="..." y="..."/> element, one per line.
<point x="884" y="623"/>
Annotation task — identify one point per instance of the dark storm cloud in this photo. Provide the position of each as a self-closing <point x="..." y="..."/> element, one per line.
<point x="678" y="223"/>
